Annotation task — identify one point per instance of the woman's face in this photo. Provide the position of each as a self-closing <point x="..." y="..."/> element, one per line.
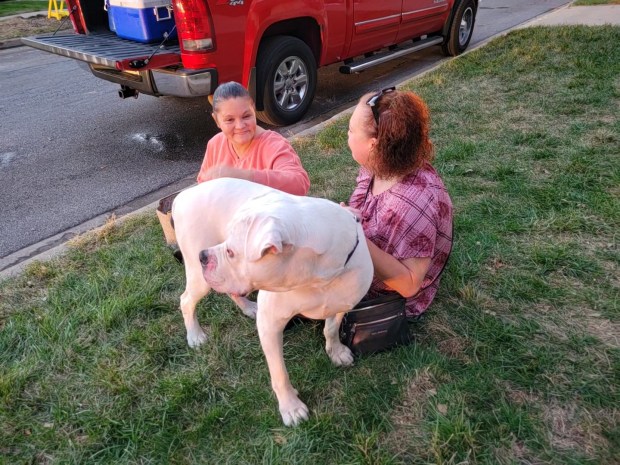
<point x="360" y="142"/>
<point x="237" y="120"/>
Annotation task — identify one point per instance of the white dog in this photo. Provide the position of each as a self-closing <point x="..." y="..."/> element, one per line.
<point x="306" y="255"/>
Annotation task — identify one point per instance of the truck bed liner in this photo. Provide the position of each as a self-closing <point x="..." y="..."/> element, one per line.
<point x="101" y="48"/>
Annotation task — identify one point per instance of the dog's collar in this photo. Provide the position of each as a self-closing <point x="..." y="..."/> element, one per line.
<point x="357" y="241"/>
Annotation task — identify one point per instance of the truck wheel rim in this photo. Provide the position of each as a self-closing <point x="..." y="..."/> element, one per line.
<point x="290" y="83"/>
<point x="466" y="26"/>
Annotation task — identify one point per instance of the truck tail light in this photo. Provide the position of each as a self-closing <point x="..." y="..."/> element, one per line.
<point x="193" y="21"/>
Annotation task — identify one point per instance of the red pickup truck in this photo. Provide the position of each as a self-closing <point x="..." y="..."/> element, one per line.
<point x="273" y="47"/>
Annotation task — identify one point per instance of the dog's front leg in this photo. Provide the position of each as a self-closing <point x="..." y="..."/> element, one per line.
<point x="247" y="306"/>
<point x="270" y="328"/>
<point x="195" y="334"/>
<point x="195" y="289"/>
<point x="338" y="353"/>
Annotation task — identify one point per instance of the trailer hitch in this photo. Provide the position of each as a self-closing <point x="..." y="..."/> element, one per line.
<point x="127" y="92"/>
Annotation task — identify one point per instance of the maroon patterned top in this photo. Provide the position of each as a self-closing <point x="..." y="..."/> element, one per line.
<point x="411" y="219"/>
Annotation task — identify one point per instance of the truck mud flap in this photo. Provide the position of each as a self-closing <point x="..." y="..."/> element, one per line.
<point x="105" y="49"/>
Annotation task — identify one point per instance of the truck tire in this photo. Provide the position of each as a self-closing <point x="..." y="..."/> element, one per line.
<point x="286" y="80"/>
<point x="461" y="29"/>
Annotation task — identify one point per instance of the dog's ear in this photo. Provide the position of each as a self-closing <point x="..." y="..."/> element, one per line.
<point x="268" y="243"/>
<point x="262" y="234"/>
<point x="271" y="249"/>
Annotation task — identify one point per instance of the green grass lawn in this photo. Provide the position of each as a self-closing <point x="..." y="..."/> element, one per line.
<point x="14" y="7"/>
<point x="516" y="362"/>
<point x="596" y="2"/>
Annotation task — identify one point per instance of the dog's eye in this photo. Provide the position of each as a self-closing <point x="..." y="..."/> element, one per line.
<point x="230" y="253"/>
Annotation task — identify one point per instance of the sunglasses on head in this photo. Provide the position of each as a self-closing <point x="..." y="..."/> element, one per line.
<point x="373" y="102"/>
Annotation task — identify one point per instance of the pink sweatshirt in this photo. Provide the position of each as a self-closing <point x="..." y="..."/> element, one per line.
<point x="271" y="157"/>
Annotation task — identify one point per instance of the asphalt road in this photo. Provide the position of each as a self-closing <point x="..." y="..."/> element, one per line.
<point x="72" y="152"/>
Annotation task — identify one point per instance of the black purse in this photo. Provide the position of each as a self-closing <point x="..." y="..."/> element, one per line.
<point x="376" y="325"/>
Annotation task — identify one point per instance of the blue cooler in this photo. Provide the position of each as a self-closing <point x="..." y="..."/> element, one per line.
<point x="141" y="20"/>
<point x="106" y="7"/>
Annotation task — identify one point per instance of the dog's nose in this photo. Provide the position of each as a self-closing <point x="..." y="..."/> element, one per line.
<point x="203" y="257"/>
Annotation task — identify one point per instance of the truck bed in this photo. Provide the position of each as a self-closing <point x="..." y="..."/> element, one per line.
<point x="100" y="48"/>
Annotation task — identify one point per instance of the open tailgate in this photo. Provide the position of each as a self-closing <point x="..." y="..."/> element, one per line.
<point x="107" y="49"/>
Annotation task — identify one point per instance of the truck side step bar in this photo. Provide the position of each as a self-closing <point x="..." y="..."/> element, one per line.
<point x="102" y="48"/>
<point x="382" y="57"/>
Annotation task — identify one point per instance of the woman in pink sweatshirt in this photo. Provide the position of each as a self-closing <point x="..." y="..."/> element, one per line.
<point x="245" y="150"/>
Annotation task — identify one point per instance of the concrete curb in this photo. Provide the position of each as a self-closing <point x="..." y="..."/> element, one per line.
<point x="56" y="245"/>
<point x="91" y="226"/>
<point x="10" y="43"/>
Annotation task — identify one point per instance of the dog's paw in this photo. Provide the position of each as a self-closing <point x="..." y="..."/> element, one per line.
<point x="196" y="338"/>
<point x="294" y="413"/>
<point x="340" y="355"/>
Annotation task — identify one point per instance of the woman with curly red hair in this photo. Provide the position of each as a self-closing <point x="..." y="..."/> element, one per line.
<point x="403" y="204"/>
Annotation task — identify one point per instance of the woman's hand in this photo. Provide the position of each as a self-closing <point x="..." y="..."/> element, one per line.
<point x="357" y="213"/>
<point x="226" y="172"/>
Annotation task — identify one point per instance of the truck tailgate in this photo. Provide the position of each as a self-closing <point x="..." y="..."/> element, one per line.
<point x="102" y="48"/>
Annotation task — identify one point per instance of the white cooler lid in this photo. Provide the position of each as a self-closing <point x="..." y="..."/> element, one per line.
<point x="140" y="3"/>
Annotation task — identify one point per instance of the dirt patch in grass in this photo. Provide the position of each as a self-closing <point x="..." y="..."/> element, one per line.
<point x="572" y="430"/>
<point x="594" y="324"/>
<point x="605" y="330"/>
<point x="576" y="320"/>
<point x="408" y="433"/>
<point x="15" y="28"/>
<point x="519" y="396"/>
<point x="94" y="239"/>
<point x="448" y="342"/>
